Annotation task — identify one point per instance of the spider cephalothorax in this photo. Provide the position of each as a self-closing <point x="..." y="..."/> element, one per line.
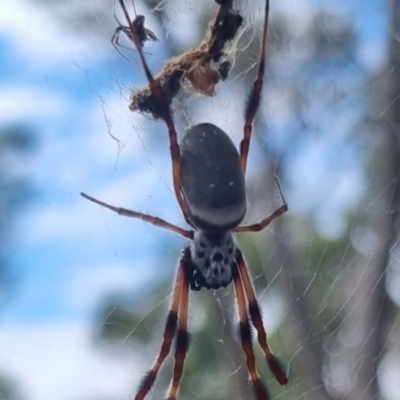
<point x="209" y="184"/>
<point x="212" y="257"/>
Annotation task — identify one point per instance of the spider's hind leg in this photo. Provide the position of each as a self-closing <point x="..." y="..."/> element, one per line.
<point x="182" y="335"/>
<point x="266" y="221"/>
<point x="245" y="335"/>
<point x="180" y="298"/>
<point x="256" y="319"/>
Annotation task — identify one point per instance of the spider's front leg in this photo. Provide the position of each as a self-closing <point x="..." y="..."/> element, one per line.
<point x="255" y="95"/>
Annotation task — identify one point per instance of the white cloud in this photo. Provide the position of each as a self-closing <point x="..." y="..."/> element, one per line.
<point x="37" y="38"/>
<point x="88" y="286"/>
<point x="23" y="103"/>
<point x="60" y="362"/>
<point x="77" y="218"/>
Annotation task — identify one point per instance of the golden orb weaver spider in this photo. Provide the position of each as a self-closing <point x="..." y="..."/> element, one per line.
<point x="209" y="184"/>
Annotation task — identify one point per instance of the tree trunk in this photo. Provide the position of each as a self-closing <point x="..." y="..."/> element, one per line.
<point x="367" y="305"/>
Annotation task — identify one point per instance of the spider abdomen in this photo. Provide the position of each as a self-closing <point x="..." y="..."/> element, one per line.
<point x="212" y="179"/>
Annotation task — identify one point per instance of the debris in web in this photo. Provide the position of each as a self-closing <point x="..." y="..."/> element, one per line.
<point x="200" y="69"/>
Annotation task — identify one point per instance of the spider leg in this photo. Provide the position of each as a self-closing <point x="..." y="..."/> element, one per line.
<point x="134" y="8"/>
<point x="115" y="37"/>
<point x="266" y="221"/>
<point x="182" y="339"/>
<point x="169" y="331"/>
<point x="255" y="315"/>
<point x="158" y="94"/>
<point x="144" y="217"/>
<point x="245" y="336"/>
<point x="254" y="97"/>
<point x="151" y="35"/>
<point x="115" y="41"/>
<point x="115" y="16"/>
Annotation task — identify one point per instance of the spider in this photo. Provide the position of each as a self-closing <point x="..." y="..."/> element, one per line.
<point x="209" y="184"/>
<point x="142" y="33"/>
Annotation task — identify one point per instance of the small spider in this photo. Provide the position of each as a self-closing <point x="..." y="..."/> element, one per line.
<point x="199" y="70"/>
<point x="143" y="34"/>
<point x="209" y="183"/>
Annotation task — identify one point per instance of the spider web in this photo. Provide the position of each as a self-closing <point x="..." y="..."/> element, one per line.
<point x="320" y="272"/>
<point x="327" y="272"/>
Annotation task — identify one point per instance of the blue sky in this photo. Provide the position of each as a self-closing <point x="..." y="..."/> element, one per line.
<point x="69" y="253"/>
